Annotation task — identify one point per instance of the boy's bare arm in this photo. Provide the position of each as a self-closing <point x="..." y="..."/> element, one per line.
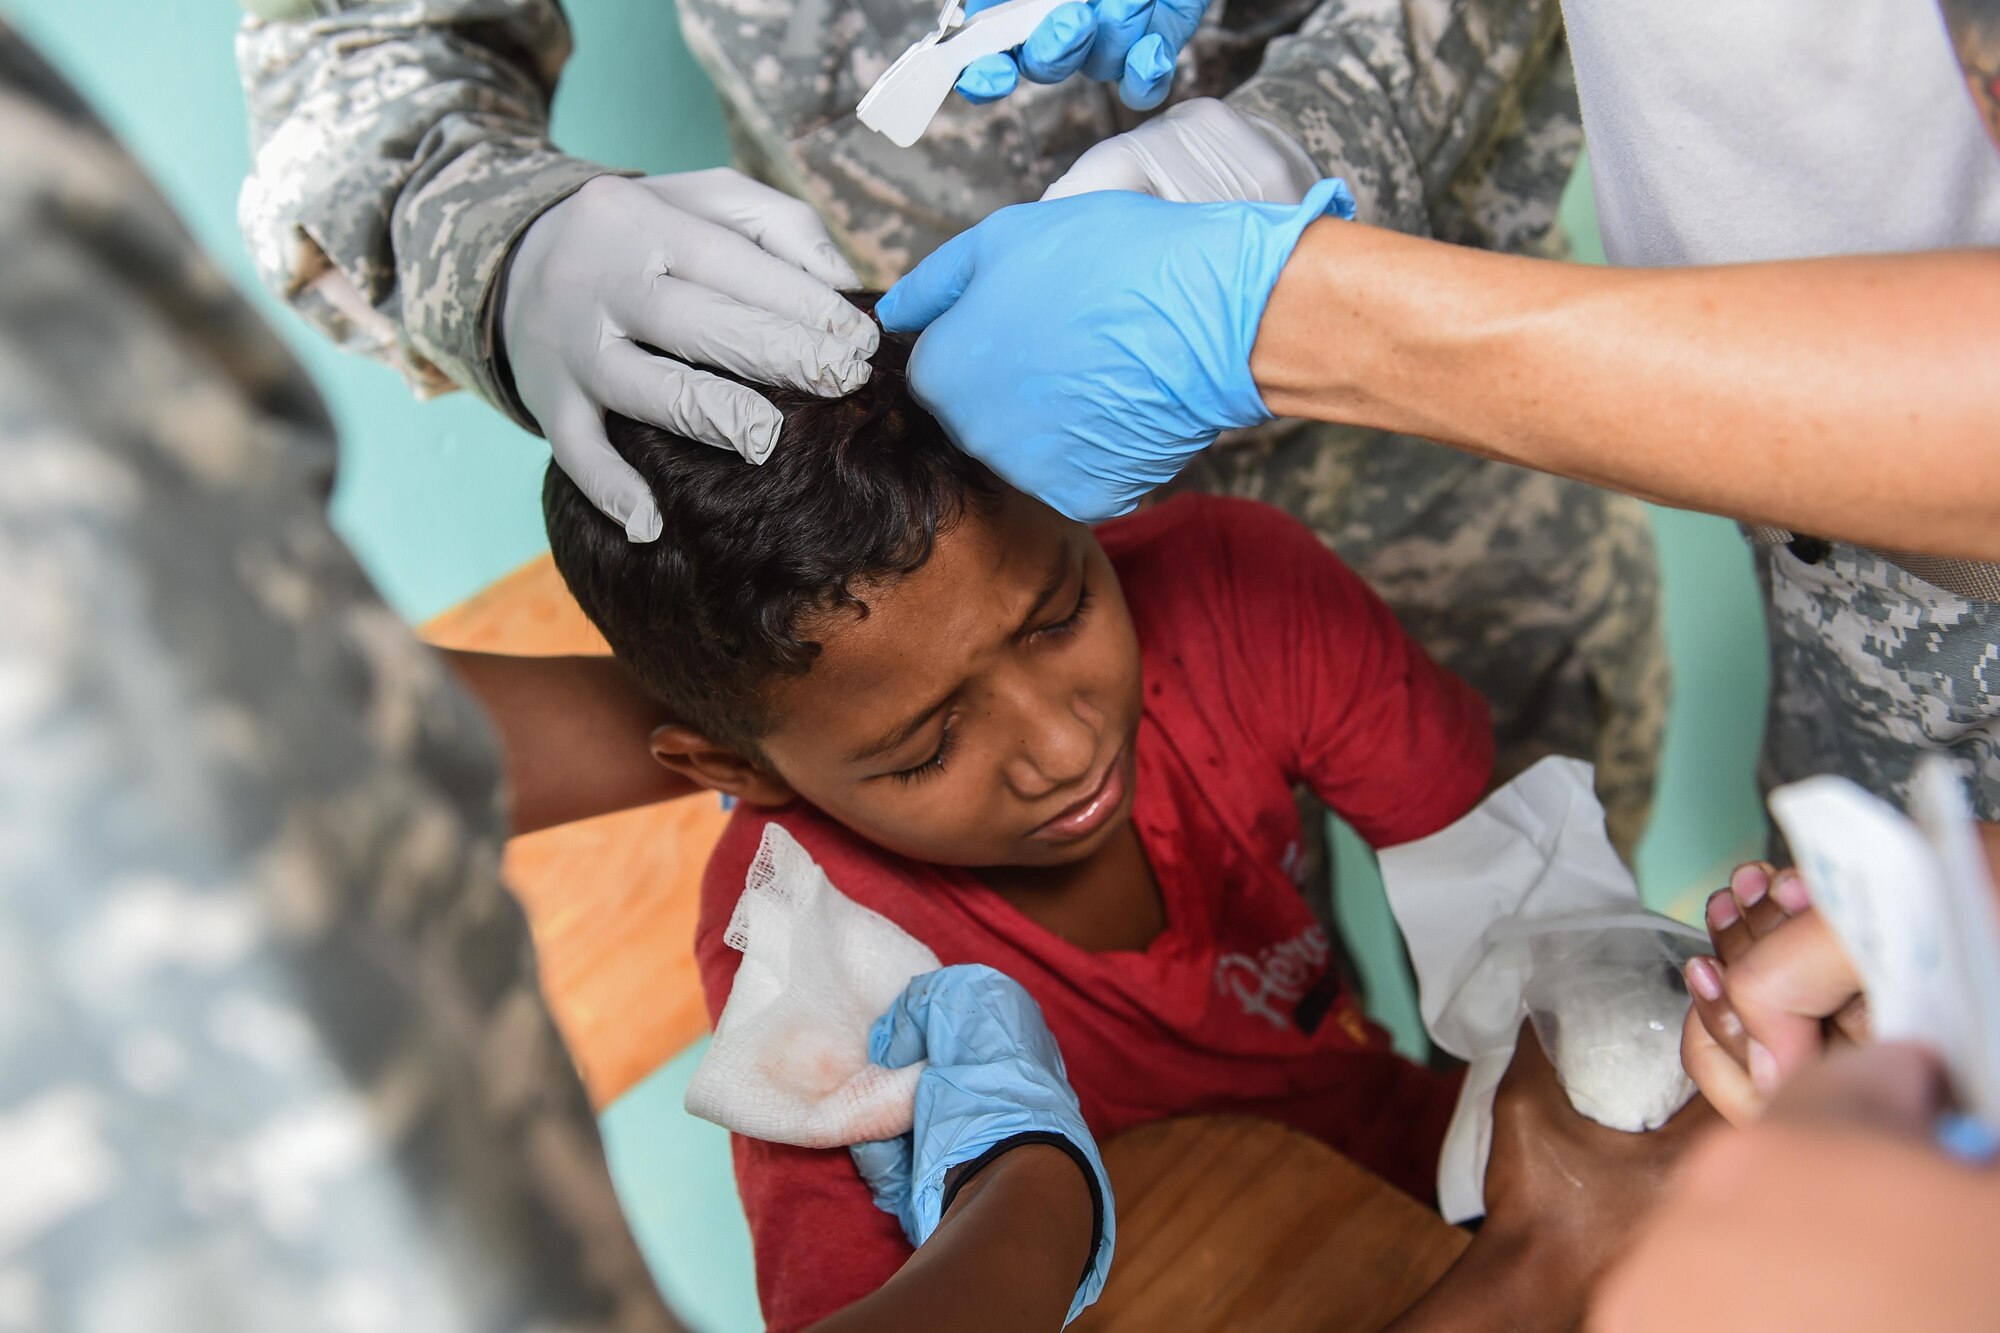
<point x="1006" y="1258"/>
<point x="573" y="733"/>
<point x="1563" y="1194"/>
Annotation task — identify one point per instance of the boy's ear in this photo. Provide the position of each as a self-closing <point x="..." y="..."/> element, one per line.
<point x="716" y="767"/>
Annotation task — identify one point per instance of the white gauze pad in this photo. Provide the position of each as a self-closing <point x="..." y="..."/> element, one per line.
<point x="789" y="1060"/>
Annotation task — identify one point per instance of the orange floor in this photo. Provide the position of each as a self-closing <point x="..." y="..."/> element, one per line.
<point x="611" y="900"/>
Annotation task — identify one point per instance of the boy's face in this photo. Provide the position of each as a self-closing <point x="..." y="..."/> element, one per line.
<point x="982" y="713"/>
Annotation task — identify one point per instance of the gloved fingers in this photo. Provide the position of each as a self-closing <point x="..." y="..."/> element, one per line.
<point x="1120" y="25"/>
<point x="1059" y="44"/>
<point x="1174" y="22"/>
<point x="701" y="326"/>
<point x="584" y="453"/>
<point x="901" y="1035"/>
<point x="713" y="256"/>
<point x="885" y="1166"/>
<point x="933" y="286"/>
<point x="988" y="79"/>
<point x="1149" y="73"/>
<point x="688" y="402"/>
<point x="785" y="226"/>
<point x="1108" y="164"/>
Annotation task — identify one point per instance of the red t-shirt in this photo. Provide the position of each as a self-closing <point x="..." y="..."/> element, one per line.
<point x="1266" y="662"/>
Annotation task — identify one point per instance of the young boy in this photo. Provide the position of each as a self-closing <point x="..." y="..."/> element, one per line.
<point x="1066" y="754"/>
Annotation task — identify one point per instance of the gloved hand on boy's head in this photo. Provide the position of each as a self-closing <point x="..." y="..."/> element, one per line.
<point x="1085" y="349"/>
<point x="995" y="1081"/>
<point x="710" y="268"/>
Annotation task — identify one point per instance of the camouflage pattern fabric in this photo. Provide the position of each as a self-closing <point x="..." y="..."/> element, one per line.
<point x="400" y="149"/>
<point x="1871" y="668"/>
<point x="272" y="1054"/>
<point x="1452" y="118"/>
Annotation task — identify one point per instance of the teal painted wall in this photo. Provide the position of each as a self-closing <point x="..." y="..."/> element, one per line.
<point x="440" y="498"/>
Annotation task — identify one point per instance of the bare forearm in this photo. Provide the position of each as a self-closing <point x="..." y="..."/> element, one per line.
<point x="573" y="731"/>
<point x="1006" y="1258"/>
<point x="1854" y="398"/>
<point x="1502" y="1284"/>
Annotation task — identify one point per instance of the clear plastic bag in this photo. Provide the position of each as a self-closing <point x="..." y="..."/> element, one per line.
<point x="1605" y="993"/>
<point x="1523" y="909"/>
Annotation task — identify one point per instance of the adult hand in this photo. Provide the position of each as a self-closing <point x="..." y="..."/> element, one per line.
<point x="1834" y="1212"/>
<point x="708" y="267"/>
<point x="1778" y="991"/>
<point x="1085" y="348"/>
<point x="1197" y="152"/>
<point x="995" y="1081"/>
<point x="1133" y="43"/>
<point x="1779" y="987"/>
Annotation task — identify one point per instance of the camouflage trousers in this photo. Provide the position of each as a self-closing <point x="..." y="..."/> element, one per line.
<point x="1542" y="593"/>
<point x="1871" y="668"/>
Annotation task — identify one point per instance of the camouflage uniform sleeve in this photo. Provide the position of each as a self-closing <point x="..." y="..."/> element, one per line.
<point x="1416" y="103"/>
<point x="400" y="148"/>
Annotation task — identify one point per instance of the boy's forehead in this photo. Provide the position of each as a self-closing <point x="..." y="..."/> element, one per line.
<point x="924" y="630"/>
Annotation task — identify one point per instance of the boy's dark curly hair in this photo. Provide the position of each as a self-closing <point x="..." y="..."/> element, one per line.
<point x="749" y="557"/>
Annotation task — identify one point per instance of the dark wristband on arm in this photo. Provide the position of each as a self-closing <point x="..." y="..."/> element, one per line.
<point x="960" y="1175"/>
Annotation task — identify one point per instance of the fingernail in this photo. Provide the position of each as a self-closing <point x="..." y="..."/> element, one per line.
<point x="1722" y="910"/>
<point x="1702" y="979"/>
<point x="1791" y="893"/>
<point x="1763" y="1067"/>
<point x="1749" y="884"/>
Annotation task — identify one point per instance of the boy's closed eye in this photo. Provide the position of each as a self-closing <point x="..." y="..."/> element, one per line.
<point x="935" y="761"/>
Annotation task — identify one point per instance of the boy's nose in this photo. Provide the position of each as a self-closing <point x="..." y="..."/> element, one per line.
<point x="1059" y="748"/>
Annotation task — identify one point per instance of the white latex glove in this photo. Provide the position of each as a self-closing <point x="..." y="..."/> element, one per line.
<point x="710" y="268"/>
<point x="1198" y="152"/>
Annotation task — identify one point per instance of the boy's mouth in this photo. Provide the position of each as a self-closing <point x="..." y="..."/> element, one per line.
<point x="1091" y="813"/>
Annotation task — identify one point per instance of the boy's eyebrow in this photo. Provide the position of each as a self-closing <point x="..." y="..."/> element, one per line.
<point x="902" y="732"/>
<point x="1058" y="576"/>
<point x="1053" y="584"/>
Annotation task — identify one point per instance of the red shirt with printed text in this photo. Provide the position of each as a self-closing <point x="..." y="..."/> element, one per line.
<point x="1267" y="663"/>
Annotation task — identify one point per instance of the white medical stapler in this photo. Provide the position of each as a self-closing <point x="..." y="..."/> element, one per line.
<point x="909" y="93"/>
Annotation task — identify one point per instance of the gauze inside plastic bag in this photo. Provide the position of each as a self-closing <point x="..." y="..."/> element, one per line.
<point x="789" y="1059"/>
<point x="1522" y="908"/>
<point x="1607" y="997"/>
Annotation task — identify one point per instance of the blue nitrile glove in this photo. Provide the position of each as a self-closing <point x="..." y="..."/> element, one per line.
<point x="1132" y="43"/>
<point x="1085" y="348"/>
<point x="995" y="1081"/>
